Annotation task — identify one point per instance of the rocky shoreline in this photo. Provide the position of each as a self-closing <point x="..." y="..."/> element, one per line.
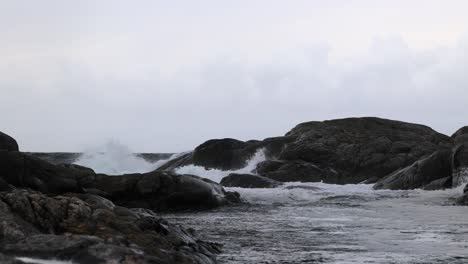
<point x="69" y="212"/>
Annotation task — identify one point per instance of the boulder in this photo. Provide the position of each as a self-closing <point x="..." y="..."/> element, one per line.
<point x="248" y="181"/>
<point x="423" y="172"/>
<point x="362" y="148"/>
<point x="461" y="135"/>
<point x="8" y="143"/>
<point x="83" y="228"/>
<point x="164" y="191"/>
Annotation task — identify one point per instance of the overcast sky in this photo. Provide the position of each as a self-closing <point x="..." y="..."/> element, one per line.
<point x="164" y="76"/>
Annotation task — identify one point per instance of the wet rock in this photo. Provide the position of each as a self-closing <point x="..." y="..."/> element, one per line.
<point x="460" y="156"/>
<point x="309" y="188"/>
<point x="297" y="171"/>
<point x="350" y="150"/>
<point x="440" y="184"/>
<point x="248" y="181"/>
<point x="8" y="143"/>
<point x="423" y="172"/>
<point x="156" y="190"/>
<point x="89" y="229"/>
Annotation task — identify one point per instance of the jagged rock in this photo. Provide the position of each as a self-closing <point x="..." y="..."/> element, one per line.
<point x="421" y="173"/>
<point x="248" y="181"/>
<point x="89" y="229"/>
<point x="8" y="143"/>
<point x="297" y="170"/>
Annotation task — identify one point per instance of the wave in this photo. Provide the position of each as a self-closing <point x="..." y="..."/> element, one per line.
<point x="114" y="158"/>
<point x="216" y="174"/>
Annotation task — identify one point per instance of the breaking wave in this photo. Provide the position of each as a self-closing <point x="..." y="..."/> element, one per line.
<point x="114" y="158"/>
<point x="216" y="174"/>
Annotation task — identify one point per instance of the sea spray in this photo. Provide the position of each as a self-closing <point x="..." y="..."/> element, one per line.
<point x="216" y="174"/>
<point x="114" y="158"/>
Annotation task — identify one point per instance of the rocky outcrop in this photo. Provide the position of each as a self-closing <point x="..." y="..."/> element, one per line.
<point x="433" y="171"/>
<point x="248" y="181"/>
<point x="85" y="228"/>
<point x="460" y="156"/>
<point x="362" y="148"/>
<point x="340" y="151"/>
<point x="69" y="212"/>
<point x="160" y="191"/>
<point x="8" y="143"/>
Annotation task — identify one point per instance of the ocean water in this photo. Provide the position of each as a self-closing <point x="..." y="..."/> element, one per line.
<point x="325" y="223"/>
<point x="336" y="224"/>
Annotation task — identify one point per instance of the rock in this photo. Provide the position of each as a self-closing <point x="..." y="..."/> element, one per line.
<point x="460" y="156"/>
<point x="302" y="187"/>
<point x="88" y="229"/>
<point x="227" y="153"/>
<point x="461" y="136"/>
<point x="8" y="143"/>
<point x="440" y="184"/>
<point x="157" y="190"/>
<point x="362" y="148"/>
<point x="460" y="164"/>
<point x="297" y="171"/>
<point x="163" y="191"/>
<point x="21" y="170"/>
<point x="423" y="172"/>
<point x="351" y="150"/>
<point x="248" y="181"/>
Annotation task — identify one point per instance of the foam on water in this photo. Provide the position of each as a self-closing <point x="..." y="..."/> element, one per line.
<point x="216" y="174"/>
<point x="325" y="223"/>
<point x="42" y="261"/>
<point x="114" y="158"/>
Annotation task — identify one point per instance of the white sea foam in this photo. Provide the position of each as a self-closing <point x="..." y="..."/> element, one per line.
<point x="216" y="174"/>
<point x="115" y="158"/>
<point x="42" y="261"/>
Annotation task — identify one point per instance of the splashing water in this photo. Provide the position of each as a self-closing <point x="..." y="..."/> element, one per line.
<point x="216" y="174"/>
<point x="115" y="158"/>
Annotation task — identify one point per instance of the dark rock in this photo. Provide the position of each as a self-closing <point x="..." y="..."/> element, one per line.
<point x="461" y="135"/>
<point x="421" y="173"/>
<point x="182" y="160"/>
<point x="440" y="184"/>
<point x="89" y="229"/>
<point x="8" y="143"/>
<point x="297" y="170"/>
<point x="362" y="148"/>
<point x="248" y="181"/>
<point x="351" y="150"/>
<point x="309" y="188"/>
<point x="21" y="170"/>
<point x="460" y="163"/>
<point x="163" y="191"/>
<point x="224" y="154"/>
<point x="228" y="154"/>
<point x="156" y="190"/>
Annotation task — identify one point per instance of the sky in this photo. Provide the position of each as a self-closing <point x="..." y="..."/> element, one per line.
<point x="165" y="76"/>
